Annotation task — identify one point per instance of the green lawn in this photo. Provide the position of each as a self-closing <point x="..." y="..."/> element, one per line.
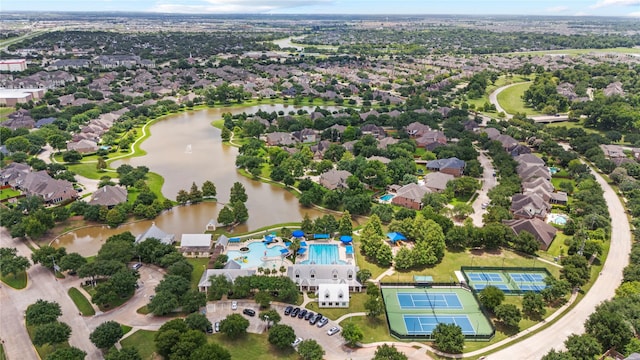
<point x="4" y="113"/>
<point x="81" y="302"/>
<point x="125" y="328"/>
<point x="502" y="81"/>
<point x="375" y="269"/>
<point x="252" y="346"/>
<point x="2" y="355"/>
<point x="511" y="100"/>
<point x="356" y="304"/>
<point x="8" y="193"/>
<point x="452" y="261"/>
<point x="143" y="341"/>
<point x="17" y="282"/>
<point x="89" y="171"/>
<point x="574" y="124"/>
<point x="374" y="330"/>
<point x="198" y="269"/>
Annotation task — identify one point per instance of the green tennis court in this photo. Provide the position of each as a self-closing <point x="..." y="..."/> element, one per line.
<point x="413" y="312"/>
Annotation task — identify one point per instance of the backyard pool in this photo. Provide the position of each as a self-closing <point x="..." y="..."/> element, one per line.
<point x="253" y="257"/>
<point x="558" y="219"/>
<point x="387" y="197"/>
<point x="323" y="254"/>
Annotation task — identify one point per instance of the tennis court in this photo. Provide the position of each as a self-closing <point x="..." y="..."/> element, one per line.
<point x="424" y="324"/>
<point x="479" y="287"/>
<point x="414" y="311"/>
<point x="524" y="277"/>
<point x="528" y="281"/>
<point x="489" y="277"/>
<point x="513" y="281"/>
<point x="428" y="300"/>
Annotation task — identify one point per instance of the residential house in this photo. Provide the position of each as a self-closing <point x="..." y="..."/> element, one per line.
<point x="528" y="206"/>
<point x="559" y="197"/>
<point x="532" y="172"/>
<point x="45" y="121"/>
<point x="410" y="196"/>
<point x="453" y="166"/>
<point x="195" y="245"/>
<point x="308" y="277"/>
<point x="66" y="64"/>
<point x="230" y="274"/>
<point x="437" y="181"/>
<point x="384" y="142"/>
<point x="83" y="146"/>
<point x="416" y="129"/>
<point x="365" y="115"/>
<point x="382" y="159"/>
<point x="109" y="196"/>
<point x="492" y="133"/>
<point x="374" y="130"/>
<point x="52" y="191"/>
<point x="319" y="149"/>
<point x="10" y="174"/>
<point x="528" y="159"/>
<point x="333" y="295"/>
<point x="306" y="135"/>
<point x="508" y="143"/>
<point x="156" y="233"/>
<point x="334" y="179"/>
<point x="615" y="88"/>
<point x="613" y="151"/>
<point x="542" y="231"/>
<point x="280" y="139"/>
<point x="431" y="140"/>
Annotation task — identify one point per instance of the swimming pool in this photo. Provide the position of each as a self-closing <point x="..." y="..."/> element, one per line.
<point x="387" y="197"/>
<point x="253" y="258"/>
<point x="560" y="220"/>
<point x="324" y="254"/>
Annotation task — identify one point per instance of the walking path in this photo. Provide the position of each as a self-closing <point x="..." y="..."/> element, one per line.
<point x="493" y="99"/>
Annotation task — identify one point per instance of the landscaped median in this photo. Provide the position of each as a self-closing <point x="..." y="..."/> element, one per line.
<point x="81" y="302"/>
<point x="16" y="281"/>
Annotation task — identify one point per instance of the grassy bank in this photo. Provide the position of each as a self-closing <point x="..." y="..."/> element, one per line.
<point x="511" y="100"/>
<point x="81" y="302"/>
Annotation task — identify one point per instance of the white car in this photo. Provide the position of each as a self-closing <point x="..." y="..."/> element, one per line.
<point x="296" y="342"/>
<point x="485" y="205"/>
<point x="334" y="330"/>
<point x="234" y="305"/>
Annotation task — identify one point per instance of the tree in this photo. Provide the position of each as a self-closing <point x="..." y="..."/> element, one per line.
<point x="101" y="164"/>
<point x="195" y="195"/>
<point x="71" y="156"/>
<point x="238" y="193"/>
<point x="384" y="255"/>
<point x="526" y="243"/>
<point x="225" y="217"/>
<point x="352" y="334"/>
<point x="263" y="298"/>
<point x="583" y="347"/>
<point x="345" y="226"/>
<point x="42" y="312"/>
<point x="71" y="353"/>
<point x="163" y="303"/>
<point x="363" y="275"/>
<point x="490" y="297"/>
<point x="72" y="262"/>
<point x="281" y="336"/>
<point x="197" y="321"/>
<point x="272" y="315"/>
<point x="609" y="328"/>
<point x="182" y="197"/>
<point x="192" y="300"/>
<point x="46" y="255"/>
<point x="240" y="212"/>
<point x="553" y="354"/>
<point x="51" y="333"/>
<point x="403" y="259"/>
<point x="127" y="353"/>
<point x="575" y="270"/>
<point x="209" y="189"/>
<point x="509" y="314"/>
<point x="234" y="325"/>
<point x="448" y="338"/>
<point x="310" y="350"/>
<point x="374" y="305"/>
<point x="533" y="304"/>
<point x="462" y="210"/>
<point x="187" y="344"/>
<point x="106" y="334"/>
<point x="211" y="351"/>
<point x="12" y="263"/>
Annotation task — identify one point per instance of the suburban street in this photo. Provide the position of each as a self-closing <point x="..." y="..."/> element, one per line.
<point x="604" y="288"/>
<point x="488" y="182"/>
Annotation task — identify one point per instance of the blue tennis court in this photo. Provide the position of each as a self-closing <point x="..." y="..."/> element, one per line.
<point x="482" y="286"/>
<point x="531" y="287"/>
<point x="424" y="324"/>
<point x="412" y="300"/>
<point x="487" y="277"/>
<point x="524" y="277"/>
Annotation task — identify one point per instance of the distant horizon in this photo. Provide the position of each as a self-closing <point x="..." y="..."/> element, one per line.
<point x="556" y="8"/>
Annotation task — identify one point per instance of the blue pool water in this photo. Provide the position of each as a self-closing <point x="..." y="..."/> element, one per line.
<point x="553" y="170"/>
<point x="387" y="197"/>
<point x="560" y="220"/>
<point x="253" y="258"/>
<point x="325" y="254"/>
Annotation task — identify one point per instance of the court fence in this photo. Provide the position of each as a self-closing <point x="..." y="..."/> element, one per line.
<point x="505" y="271"/>
<point x="430" y="337"/>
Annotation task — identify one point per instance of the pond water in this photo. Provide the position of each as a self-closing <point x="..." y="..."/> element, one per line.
<point x="185" y="148"/>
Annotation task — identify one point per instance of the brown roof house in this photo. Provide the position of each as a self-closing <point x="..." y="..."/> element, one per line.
<point x="51" y="190"/>
<point x="83" y="146"/>
<point x="528" y="206"/>
<point x="373" y="129"/>
<point x="280" y="138"/>
<point x="109" y="196"/>
<point x="452" y="166"/>
<point x="613" y="151"/>
<point x="416" y="129"/>
<point x="10" y="174"/>
<point x="437" y="181"/>
<point x="334" y="179"/>
<point x="410" y="196"/>
<point x="542" y="231"/>
<point x="431" y="140"/>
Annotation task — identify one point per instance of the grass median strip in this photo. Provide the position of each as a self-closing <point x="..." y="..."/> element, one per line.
<point x="81" y="302"/>
<point x="16" y="281"/>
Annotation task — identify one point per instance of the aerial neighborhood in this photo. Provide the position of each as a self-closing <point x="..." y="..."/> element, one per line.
<point x="207" y="186"/>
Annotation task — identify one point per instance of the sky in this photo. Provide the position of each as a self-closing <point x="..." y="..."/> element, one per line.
<point x="380" y="7"/>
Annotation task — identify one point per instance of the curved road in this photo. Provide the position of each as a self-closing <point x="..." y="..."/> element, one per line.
<point x="493" y="99"/>
<point x="604" y="288"/>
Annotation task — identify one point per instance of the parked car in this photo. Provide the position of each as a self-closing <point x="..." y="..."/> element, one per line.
<point x="295" y="312"/>
<point x="234" y="305"/>
<point x="324" y="321"/>
<point x="334" y="330"/>
<point x="217" y="326"/>
<point x="209" y="329"/>
<point x="151" y="297"/>
<point x="249" y="312"/>
<point x="136" y="266"/>
<point x="485" y="205"/>
<point x="296" y="342"/>
<point x="315" y="319"/>
<point x="309" y="315"/>
<point x="302" y="313"/>
<point x="288" y="309"/>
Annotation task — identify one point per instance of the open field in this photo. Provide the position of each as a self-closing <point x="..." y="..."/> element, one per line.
<point x="8" y="193"/>
<point x="143" y="341"/>
<point x="511" y="100"/>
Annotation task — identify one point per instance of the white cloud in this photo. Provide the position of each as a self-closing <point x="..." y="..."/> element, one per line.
<point x="235" y="6"/>
<point x="604" y="3"/>
<point x="634" y="14"/>
<point x="581" y="13"/>
<point x="557" y="9"/>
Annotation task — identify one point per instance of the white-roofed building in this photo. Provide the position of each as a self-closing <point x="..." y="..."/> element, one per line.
<point x="333" y="295"/>
<point x="155" y="232"/>
<point x="195" y="245"/>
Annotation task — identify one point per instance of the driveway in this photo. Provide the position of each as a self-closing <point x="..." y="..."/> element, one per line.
<point x="488" y="182"/>
<point x="604" y="288"/>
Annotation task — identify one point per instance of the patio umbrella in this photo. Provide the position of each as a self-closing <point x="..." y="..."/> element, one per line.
<point x="346" y="239"/>
<point x="283" y="251"/>
<point x="302" y="250"/>
<point x="287" y="243"/>
<point x="297" y="233"/>
<point x="395" y="236"/>
<point x="268" y="238"/>
<point x="303" y="243"/>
